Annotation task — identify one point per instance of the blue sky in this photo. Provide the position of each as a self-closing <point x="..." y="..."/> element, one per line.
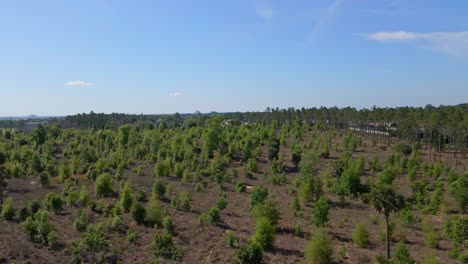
<point x="66" y="57"/>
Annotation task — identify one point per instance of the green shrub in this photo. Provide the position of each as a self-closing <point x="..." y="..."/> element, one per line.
<point x="231" y="239"/>
<point x="213" y="216"/>
<point x="162" y="246"/>
<point x="361" y="236"/>
<point x="38" y="227"/>
<point x="81" y="223"/>
<point x="126" y="198"/>
<point x="222" y="203"/>
<point x="83" y="198"/>
<point x="459" y="190"/>
<point x="159" y="189"/>
<point x="266" y="209"/>
<point x="319" y="250"/>
<point x="251" y="253"/>
<point x="104" y="185"/>
<point x="94" y="239"/>
<point x="258" y="195"/>
<point x="240" y="187"/>
<point x="117" y="224"/>
<point x="168" y="225"/>
<point x="402" y="255"/>
<point x="138" y="212"/>
<point x="456" y="229"/>
<point x="155" y="213"/>
<point x="320" y="212"/>
<point x="44" y="178"/>
<point x="54" y="202"/>
<point x="8" y="211"/>
<point x="264" y="233"/>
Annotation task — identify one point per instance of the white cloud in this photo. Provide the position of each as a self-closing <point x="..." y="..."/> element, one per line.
<point x="330" y="13"/>
<point x="176" y="94"/>
<point x="265" y="11"/>
<point x="79" y="83"/>
<point x="452" y="43"/>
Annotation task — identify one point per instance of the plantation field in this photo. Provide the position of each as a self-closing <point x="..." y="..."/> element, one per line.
<point x="223" y="192"/>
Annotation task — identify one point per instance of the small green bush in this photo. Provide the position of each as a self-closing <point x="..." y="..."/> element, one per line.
<point x="155" y="213"/>
<point x="81" y="223"/>
<point x="44" y="178"/>
<point x="8" y="211"/>
<point x="264" y="233"/>
<point x="231" y="239"/>
<point x="138" y="212"/>
<point x="361" y="236"/>
<point x="162" y="246"/>
<point x="103" y="185"/>
<point x="251" y="253"/>
<point x="319" y="250"/>
<point x="54" y="202"/>
<point x="159" y="189"/>
<point x="320" y="212"/>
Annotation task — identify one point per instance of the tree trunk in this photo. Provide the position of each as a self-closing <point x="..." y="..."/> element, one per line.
<point x="387" y="237"/>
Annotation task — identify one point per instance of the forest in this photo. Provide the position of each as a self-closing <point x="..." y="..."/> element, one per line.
<point x="319" y="185"/>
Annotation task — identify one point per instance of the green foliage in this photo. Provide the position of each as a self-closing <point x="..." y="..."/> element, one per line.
<point x="319" y="250"/>
<point x="83" y="197"/>
<point x="267" y="209"/>
<point x="402" y="255"/>
<point x="264" y="233"/>
<point x="168" y="225"/>
<point x="258" y="195"/>
<point x="126" y="198"/>
<point x="117" y="224"/>
<point x="104" y="185"/>
<point x="94" y="239"/>
<point x="231" y="239"/>
<point x="459" y="190"/>
<point x="138" y="212"/>
<point x="222" y="203"/>
<point x="38" y="227"/>
<point x="240" y="187"/>
<point x="162" y="246"/>
<point x="182" y="202"/>
<point x="213" y="216"/>
<point x="81" y="223"/>
<point x="456" y="229"/>
<point x="155" y="213"/>
<point x="385" y="199"/>
<point x="351" y="142"/>
<point x="159" y="189"/>
<point x="251" y="253"/>
<point x="8" y="211"/>
<point x="361" y="236"/>
<point x="320" y="212"/>
<point x="54" y="202"/>
<point x="162" y="168"/>
<point x="419" y="190"/>
<point x="44" y="178"/>
<point x="403" y="149"/>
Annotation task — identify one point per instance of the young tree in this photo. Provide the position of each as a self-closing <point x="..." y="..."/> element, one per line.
<point x="104" y="185"/>
<point x="264" y="233"/>
<point x="319" y="250"/>
<point x="320" y="212"/>
<point x="126" y="198"/>
<point x="361" y="236"/>
<point x="4" y="176"/>
<point x="386" y="200"/>
<point x="8" y="211"/>
<point x="138" y="212"/>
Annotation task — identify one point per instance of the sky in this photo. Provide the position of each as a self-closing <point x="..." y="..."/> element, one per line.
<point x="66" y="57"/>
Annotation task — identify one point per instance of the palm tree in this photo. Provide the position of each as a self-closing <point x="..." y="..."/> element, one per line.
<point x="386" y="200"/>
